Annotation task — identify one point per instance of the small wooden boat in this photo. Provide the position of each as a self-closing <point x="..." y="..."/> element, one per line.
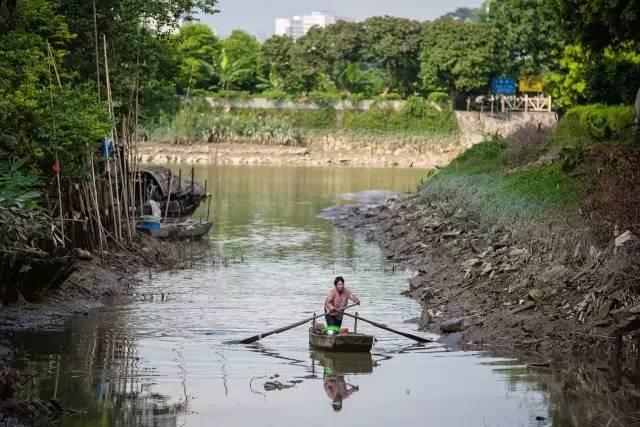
<point x="343" y="343"/>
<point x="180" y="230"/>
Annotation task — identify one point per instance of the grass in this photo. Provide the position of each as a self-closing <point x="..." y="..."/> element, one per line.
<point x="480" y="182"/>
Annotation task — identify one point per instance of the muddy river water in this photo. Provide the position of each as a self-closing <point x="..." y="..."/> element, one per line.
<point x="161" y="358"/>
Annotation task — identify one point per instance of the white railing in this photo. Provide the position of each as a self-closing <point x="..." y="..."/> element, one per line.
<point x="512" y="103"/>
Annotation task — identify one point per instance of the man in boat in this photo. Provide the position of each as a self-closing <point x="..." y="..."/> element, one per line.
<point x="338" y="298"/>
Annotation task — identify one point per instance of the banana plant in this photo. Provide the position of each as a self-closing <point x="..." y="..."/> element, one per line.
<point x="229" y="72"/>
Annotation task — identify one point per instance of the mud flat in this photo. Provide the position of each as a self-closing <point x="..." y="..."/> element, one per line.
<point x="541" y="290"/>
<point x="92" y="282"/>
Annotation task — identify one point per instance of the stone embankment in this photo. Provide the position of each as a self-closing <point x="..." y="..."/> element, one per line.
<point x="546" y="290"/>
<point x="320" y="151"/>
<point x="340" y="149"/>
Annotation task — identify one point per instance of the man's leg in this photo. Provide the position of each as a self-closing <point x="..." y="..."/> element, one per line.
<point x="331" y="321"/>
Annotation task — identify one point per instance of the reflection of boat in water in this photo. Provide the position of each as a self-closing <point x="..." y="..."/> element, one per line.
<point x="344" y="363"/>
<point x="336" y="366"/>
<point x="344" y="342"/>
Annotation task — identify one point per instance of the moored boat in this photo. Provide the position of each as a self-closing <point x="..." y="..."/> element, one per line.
<point x="179" y="230"/>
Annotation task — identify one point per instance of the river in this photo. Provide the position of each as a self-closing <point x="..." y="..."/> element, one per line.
<point x="162" y="358"/>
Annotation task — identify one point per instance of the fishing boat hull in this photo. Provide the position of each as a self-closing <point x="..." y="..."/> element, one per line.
<point x="342" y="343"/>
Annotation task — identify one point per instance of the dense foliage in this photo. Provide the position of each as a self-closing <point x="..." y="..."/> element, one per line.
<point x="53" y="68"/>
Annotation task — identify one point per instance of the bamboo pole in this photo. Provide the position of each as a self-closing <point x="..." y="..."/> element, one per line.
<point x="95" y="200"/>
<point x="115" y="221"/>
<point x="60" y="199"/>
<point x="192" y="178"/>
<point x="166" y="209"/>
<point x="125" y="181"/>
<point x="206" y="194"/>
<point x="53" y="118"/>
<point x="95" y="32"/>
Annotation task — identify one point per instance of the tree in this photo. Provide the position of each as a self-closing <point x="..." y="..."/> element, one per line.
<point x="467" y="14"/>
<point x="456" y="57"/>
<point x="142" y="47"/>
<point x="393" y="45"/>
<point x="568" y="85"/>
<point x="283" y="57"/>
<point x="330" y="50"/>
<point x="599" y="24"/>
<point x="40" y="119"/>
<point x="276" y="55"/>
<point x="243" y="48"/>
<point x="529" y="39"/>
<point x="198" y="46"/>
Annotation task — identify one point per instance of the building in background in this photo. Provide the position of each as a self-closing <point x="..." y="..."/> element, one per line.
<point x="297" y="26"/>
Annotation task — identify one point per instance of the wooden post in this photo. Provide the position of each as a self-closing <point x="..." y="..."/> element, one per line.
<point x="206" y="194"/>
<point x="526" y="103"/>
<point x="355" y="324"/>
<point x="192" y="178"/>
<point x="95" y="200"/>
<point x="550" y="104"/>
<point x="114" y="221"/>
<point x="179" y="190"/>
<point x="166" y="209"/>
<point x="60" y="198"/>
<point x="313" y="322"/>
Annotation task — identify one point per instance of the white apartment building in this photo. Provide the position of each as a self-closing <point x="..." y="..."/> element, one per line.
<point x="297" y="26"/>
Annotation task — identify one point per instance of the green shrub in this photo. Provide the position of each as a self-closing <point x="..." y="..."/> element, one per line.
<point x="590" y="124"/>
<point x="440" y="98"/>
<point x="417" y="117"/>
<point x="325" y="99"/>
<point x="275" y="95"/>
<point x="322" y="119"/>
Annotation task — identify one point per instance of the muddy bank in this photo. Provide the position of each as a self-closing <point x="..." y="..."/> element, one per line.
<point x="322" y="151"/>
<point x="92" y="281"/>
<point x="549" y="290"/>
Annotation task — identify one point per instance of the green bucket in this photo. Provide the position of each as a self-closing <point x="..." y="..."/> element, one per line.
<point x="333" y="328"/>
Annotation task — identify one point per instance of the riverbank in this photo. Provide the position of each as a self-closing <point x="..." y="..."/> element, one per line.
<point x="531" y="247"/>
<point x="92" y="282"/>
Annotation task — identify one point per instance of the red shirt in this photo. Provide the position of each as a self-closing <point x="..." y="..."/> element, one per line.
<point x="337" y="300"/>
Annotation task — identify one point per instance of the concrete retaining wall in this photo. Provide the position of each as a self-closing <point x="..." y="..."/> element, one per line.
<point x="475" y="126"/>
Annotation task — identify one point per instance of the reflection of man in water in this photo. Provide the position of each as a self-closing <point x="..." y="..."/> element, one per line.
<point x="337" y="389"/>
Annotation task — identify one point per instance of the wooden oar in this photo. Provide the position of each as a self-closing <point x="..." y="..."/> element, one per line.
<point x="286" y="328"/>
<point x="386" y="328"/>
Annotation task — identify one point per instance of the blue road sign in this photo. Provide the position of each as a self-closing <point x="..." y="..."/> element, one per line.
<point x="503" y="85"/>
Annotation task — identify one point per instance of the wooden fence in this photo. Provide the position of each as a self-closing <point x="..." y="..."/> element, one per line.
<point x="506" y="104"/>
